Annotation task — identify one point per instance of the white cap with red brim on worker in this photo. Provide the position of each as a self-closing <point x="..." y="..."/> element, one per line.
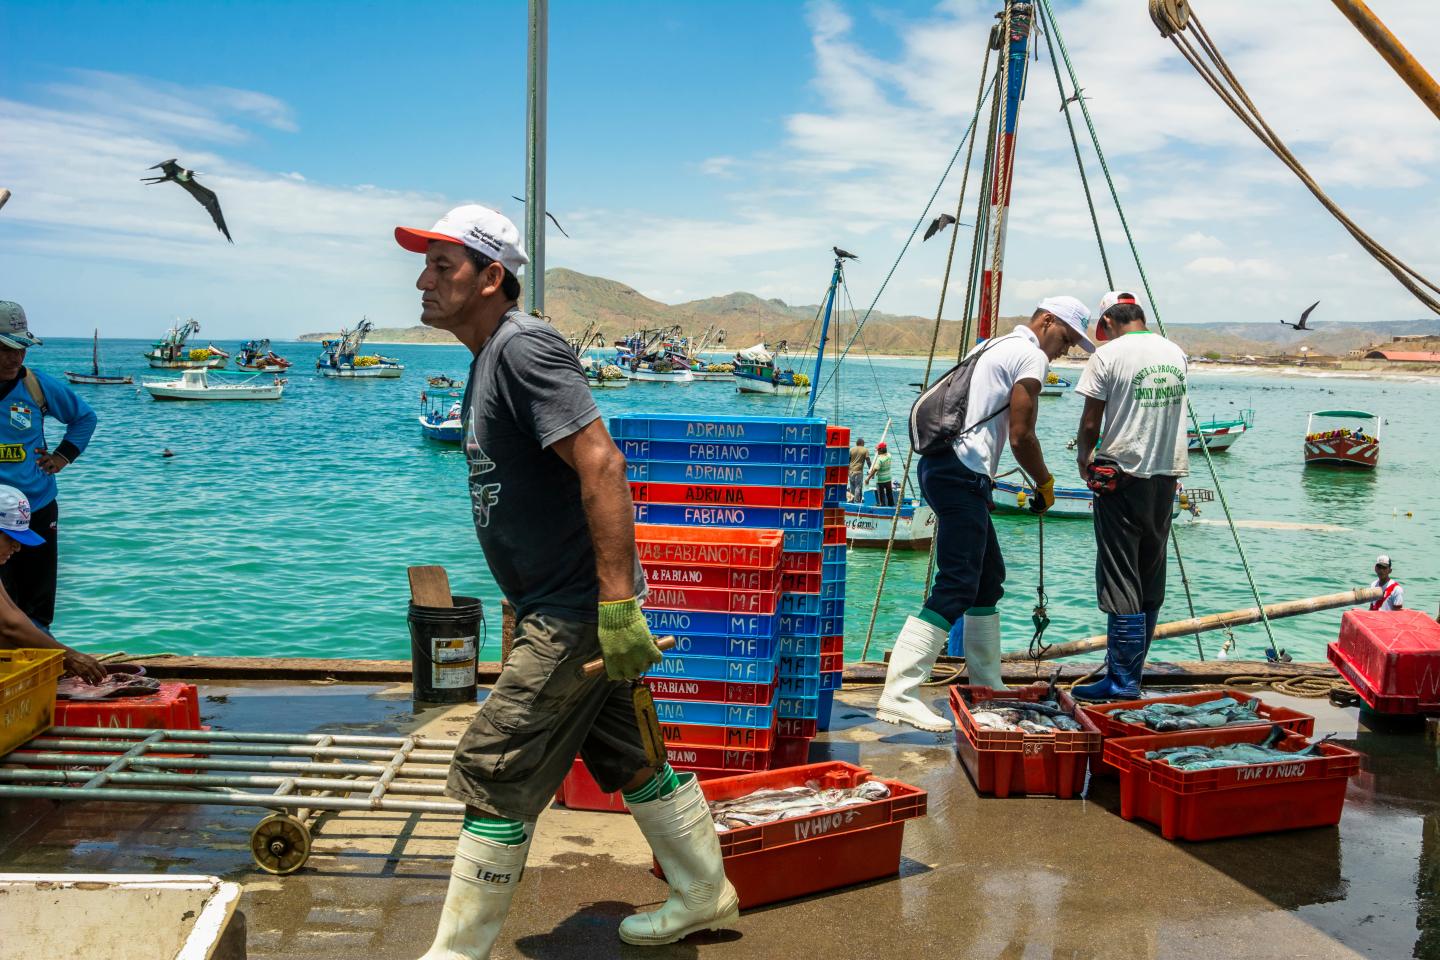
<point x="1113" y="298"/>
<point x="483" y="230"/>
<point x="15" y="517"/>
<point x="1073" y="314"/>
<point x="14" y="330"/>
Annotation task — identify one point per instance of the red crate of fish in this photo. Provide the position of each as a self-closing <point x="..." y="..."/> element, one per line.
<point x="837" y="475"/>
<point x="800" y="583"/>
<point x="795" y="562"/>
<point x="798" y="856"/>
<point x="797" y="729"/>
<point x="837" y="436"/>
<point x="175" y="706"/>
<point x="715" y="691"/>
<point x="829" y="645"/>
<point x="686" y="756"/>
<point x="579" y="791"/>
<point x="721" y="578"/>
<point x="1231" y="801"/>
<point x="1391" y="658"/>
<point x="727" y="495"/>
<point x="1006" y="762"/>
<point x="716" y="600"/>
<point x="705" y="735"/>
<point x="710" y="546"/>
<point x="1102" y="714"/>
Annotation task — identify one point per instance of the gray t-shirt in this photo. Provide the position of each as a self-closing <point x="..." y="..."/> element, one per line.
<point x="527" y="392"/>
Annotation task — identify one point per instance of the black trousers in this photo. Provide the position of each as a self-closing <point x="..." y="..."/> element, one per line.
<point x="1132" y="526"/>
<point x="29" y="576"/>
<point x="884" y="494"/>
<point x="969" y="570"/>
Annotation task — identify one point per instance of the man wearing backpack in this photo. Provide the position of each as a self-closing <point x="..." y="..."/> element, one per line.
<point x="959" y="426"/>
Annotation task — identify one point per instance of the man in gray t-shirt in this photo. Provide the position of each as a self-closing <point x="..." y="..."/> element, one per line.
<point x="554" y="518"/>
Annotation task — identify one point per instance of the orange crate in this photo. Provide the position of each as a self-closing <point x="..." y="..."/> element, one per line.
<point x="1101" y="714"/>
<point x="1005" y="762"/>
<point x="709" y="546"/>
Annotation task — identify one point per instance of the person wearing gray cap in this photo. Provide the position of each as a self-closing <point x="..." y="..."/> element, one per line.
<point x="27" y="463"/>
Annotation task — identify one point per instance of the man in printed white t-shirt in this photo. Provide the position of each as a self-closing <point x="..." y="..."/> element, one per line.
<point x="969" y="571"/>
<point x="1393" y="595"/>
<point x="1135" y="385"/>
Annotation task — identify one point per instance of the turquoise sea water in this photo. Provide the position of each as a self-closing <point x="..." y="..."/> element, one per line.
<point x="284" y="529"/>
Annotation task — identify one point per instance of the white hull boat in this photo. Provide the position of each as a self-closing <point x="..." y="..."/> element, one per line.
<point x="647" y="375"/>
<point x="1012" y="496"/>
<point x="197" y="385"/>
<point x="868" y="525"/>
<point x="381" y="371"/>
<point x="706" y="375"/>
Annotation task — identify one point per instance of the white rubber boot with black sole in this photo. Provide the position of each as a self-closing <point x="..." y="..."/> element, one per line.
<point x="683" y="839"/>
<point x="482" y="884"/>
<point x="911" y="660"/>
<point x="982" y="650"/>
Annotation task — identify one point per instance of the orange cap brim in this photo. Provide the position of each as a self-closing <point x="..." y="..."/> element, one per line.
<point x="418" y="241"/>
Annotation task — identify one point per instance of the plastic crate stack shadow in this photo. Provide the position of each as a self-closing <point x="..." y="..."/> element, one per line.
<point x="705" y="480"/>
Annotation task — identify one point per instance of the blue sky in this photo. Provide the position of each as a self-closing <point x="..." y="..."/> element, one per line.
<point x="695" y="149"/>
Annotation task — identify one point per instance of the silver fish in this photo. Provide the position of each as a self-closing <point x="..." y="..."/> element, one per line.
<point x="768" y="806"/>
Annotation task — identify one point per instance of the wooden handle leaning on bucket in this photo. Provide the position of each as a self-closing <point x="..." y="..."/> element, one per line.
<point x="596" y="668"/>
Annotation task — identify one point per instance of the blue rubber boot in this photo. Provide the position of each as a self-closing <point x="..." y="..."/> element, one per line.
<point x="1152" y="620"/>
<point x="1124" y="660"/>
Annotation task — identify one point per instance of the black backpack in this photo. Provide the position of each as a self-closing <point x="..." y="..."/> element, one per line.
<point x="937" y="418"/>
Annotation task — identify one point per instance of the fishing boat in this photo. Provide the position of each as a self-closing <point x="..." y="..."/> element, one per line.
<point x="170" y="352"/>
<point x="256" y="356"/>
<point x="95" y="376"/>
<point x="868" y="525"/>
<point x="654" y="356"/>
<point x="442" y="382"/>
<point x="1220" y="435"/>
<point x="757" y="372"/>
<point x="342" y="358"/>
<point x="196" y="384"/>
<point x="603" y="376"/>
<point x="1342" y="446"/>
<point x="702" y="369"/>
<point x="1055" y="386"/>
<point x="1013" y="496"/>
<point x="440" y="418"/>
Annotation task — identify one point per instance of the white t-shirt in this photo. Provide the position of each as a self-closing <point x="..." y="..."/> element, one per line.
<point x="1396" y="599"/>
<point x="1141" y="377"/>
<point x="1008" y="360"/>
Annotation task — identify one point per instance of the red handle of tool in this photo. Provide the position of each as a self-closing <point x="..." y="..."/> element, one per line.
<point x="596" y="668"/>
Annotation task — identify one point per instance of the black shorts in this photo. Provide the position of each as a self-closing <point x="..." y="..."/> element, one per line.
<point x="1132" y="526"/>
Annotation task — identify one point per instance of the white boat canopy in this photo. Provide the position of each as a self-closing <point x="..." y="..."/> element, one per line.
<point x="755" y="354"/>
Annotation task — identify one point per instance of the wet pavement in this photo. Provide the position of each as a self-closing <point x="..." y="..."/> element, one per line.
<point x="979" y="878"/>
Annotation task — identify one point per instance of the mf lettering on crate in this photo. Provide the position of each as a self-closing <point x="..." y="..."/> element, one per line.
<point x="1270" y="771"/>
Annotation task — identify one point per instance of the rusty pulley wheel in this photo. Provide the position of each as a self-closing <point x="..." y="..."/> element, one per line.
<point x="280" y="844"/>
<point x="1170" y="16"/>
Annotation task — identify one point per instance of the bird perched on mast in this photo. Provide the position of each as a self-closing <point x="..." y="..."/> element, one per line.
<point x="844" y="255"/>
<point x="172" y="171"/>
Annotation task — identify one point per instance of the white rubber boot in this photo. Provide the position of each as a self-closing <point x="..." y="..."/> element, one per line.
<point x="982" y="650"/>
<point x="684" y="841"/>
<point x="911" y="659"/>
<point x="482" y="884"/>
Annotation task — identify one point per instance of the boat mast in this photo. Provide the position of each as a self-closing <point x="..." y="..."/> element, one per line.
<point x="95" y="353"/>
<point x="824" y="332"/>
<point x="1018" y="17"/>
<point x="535" y="157"/>
<point x="1389" y="46"/>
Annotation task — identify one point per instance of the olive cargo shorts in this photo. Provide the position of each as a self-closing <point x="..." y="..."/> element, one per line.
<point x="540" y="714"/>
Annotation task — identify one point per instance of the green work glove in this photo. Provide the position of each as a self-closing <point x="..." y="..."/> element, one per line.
<point x="625" y="640"/>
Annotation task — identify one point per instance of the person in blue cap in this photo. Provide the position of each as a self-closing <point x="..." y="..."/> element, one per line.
<point x="27" y="463"/>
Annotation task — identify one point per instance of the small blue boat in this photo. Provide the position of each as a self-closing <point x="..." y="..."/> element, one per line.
<point x="440" y="416"/>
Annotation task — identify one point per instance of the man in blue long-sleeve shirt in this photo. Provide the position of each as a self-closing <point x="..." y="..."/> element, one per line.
<point x="27" y="463"/>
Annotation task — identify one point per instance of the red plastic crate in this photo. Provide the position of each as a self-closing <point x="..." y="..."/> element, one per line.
<point x="710" y="546"/>
<point x="704" y="735"/>
<point x="790" y="752"/>
<point x="837" y="436"/>
<point x="727" y="495"/>
<point x="175" y="706"/>
<point x="723" y="578"/>
<point x="799" y="856"/>
<point x="1006" y="762"/>
<point x="684" y="756"/>
<point x="795" y="562"/>
<point x="712" y="599"/>
<point x="834" y="517"/>
<point x="832" y="662"/>
<point x="713" y="691"/>
<point x="1231" y="801"/>
<point x="832" y="645"/>
<point x="579" y="791"/>
<point x="834" y="536"/>
<point x="1391" y="658"/>
<point x="793" y="729"/>
<point x="837" y="475"/>
<point x="1292" y="720"/>
<point x="800" y="583"/>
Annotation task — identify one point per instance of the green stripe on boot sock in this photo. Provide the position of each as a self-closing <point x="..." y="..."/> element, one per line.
<point x="661" y="785"/>
<point x="934" y="619"/>
<point x="495" y="829"/>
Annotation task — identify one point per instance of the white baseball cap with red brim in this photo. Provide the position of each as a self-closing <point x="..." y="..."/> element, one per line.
<point x="483" y="230"/>
<point x="15" y="517"/>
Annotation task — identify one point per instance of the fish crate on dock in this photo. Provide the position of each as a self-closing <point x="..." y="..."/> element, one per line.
<point x="1391" y="658"/>
<point x="798" y="856"/>
<point x="1231" y="801"/>
<point x="1013" y="762"/>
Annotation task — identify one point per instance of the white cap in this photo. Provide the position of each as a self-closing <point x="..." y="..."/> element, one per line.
<point x="1075" y="315"/>
<point x="15" y="517"/>
<point x="1112" y="298"/>
<point x="14" y="331"/>
<point x="481" y="229"/>
<point x="1383" y="560"/>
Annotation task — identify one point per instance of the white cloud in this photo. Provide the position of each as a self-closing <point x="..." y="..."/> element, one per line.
<point x="723" y="167"/>
<point x="1226" y="267"/>
<point x="1197" y="242"/>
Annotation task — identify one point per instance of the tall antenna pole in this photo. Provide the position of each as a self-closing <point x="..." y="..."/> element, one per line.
<point x="535" y="156"/>
<point x="1389" y="46"/>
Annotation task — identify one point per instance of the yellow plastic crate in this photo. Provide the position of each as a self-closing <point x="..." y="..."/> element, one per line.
<point x="27" y="694"/>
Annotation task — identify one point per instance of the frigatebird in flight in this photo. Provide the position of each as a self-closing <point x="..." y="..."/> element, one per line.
<point x="548" y="214"/>
<point x="172" y="171"/>
<point x="1303" y="317"/>
<point x="1075" y="97"/>
<point x="843" y="254"/>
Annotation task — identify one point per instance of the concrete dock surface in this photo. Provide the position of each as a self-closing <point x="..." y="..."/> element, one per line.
<point x="979" y="878"/>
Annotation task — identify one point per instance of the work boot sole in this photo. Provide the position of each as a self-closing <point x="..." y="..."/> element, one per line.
<point x="900" y="721"/>
<point x="726" y="921"/>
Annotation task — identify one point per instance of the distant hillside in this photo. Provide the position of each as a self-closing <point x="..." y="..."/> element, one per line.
<point x="575" y="301"/>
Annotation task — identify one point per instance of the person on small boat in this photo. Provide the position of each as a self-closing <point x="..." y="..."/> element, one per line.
<point x="880" y="472"/>
<point x="1393" y="597"/>
<point x="555" y="521"/>
<point x="859" y="460"/>
<point x="28" y="464"/>
<point x="1134" y="389"/>
<point x="957" y="482"/>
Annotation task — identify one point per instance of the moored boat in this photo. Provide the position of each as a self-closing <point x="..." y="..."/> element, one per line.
<point x="757" y="372"/>
<point x="341" y="358"/>
<point x="1013" y="496"/>
<point x="257" y="357"/>
<point x="1343" y="446"/>
<point x="440" y="415"/>
<point x="1055" y="386"/>
<point x="196" y="385"/>
<point x="95" y="376"/>
<point x="442" y="382"/>
<point x="868" y="524"/>
<point x="171" y="352"/>
<point x="1220" y="435"/>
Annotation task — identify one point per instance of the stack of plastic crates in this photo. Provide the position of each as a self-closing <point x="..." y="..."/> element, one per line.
<point x="760" y="479"/>
<point x="832" y="576"/>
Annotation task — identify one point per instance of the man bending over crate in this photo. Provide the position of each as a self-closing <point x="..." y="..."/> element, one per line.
<point x="553" y="514"/>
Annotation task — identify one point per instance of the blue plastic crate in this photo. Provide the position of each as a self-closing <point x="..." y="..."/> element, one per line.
<point x="832" y="554"/>
<point x="832" y="589"/>
<point x="831" y="626"/>
<point x="689" y="622"/>
<point x="831" y="681"/>
<point x="833" y="497"/>
<point x="783" y="454"/>
<point x="832" y="608"/>
<point x="837" y="456"/>
<point x="806" y="541"/>
<point x="800" y="625"/>
<point x="799" y="603"/>
<point x="832" y="572"/>
<point x="716" y="714"/>
<point x="724" y="429"/>
<point x="793" y="666"/>
<point x="796" y="687"/>
<point x="729" y="669"/>
<point x="808" y="521"/>
<point x="822" y="717"/>
<point x="790" y="708"/>
<point x="744" y="474"/>
<point x="729" y="647"/>
<point x="798" y="646"/>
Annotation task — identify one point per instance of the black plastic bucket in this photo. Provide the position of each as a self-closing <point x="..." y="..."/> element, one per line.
<point x="444" y="645"/>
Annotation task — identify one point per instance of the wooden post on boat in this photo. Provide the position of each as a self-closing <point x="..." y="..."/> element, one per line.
<point x="1388" y="45"/>
<point x="1218" y="621"/>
